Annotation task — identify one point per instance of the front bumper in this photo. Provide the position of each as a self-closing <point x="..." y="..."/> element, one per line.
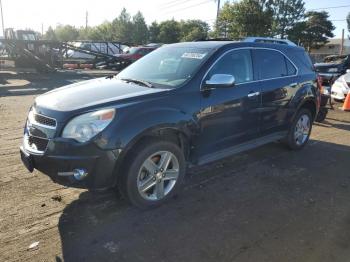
<point x="66" y="155"/>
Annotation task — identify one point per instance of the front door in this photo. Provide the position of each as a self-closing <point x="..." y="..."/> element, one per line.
<point x="229" y="116"/>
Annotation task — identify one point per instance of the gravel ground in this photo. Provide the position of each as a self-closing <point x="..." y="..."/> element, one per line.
<point x="268" y="204"/>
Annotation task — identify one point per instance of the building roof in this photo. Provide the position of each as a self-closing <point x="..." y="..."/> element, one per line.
<point x="337" y="41"/>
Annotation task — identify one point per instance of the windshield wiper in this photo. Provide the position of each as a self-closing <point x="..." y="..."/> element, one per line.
<point x="139" y="82"/>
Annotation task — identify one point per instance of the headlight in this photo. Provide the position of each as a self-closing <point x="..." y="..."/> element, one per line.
<point x="82" y="128"/>
<point x="333" y="70"/>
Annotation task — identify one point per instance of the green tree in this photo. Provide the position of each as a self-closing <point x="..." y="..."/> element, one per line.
<point x="123" y="27"/>
<point x="244" y="18"/>
<point x="102" y="32"/>
<point x="286" y="13"/>
<point x="193" y="30"/>
<point x="66" y="33"/>
<point x="169" y="31"/>
<point x="313" y="32"/>
<point x="50" y="34"/>
<point x="154" y="31"/>
<point x="140" y="30"/>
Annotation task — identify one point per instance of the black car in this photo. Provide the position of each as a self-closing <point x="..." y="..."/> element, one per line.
<point x="186" y="103"/>
<point x="332" y="67"/>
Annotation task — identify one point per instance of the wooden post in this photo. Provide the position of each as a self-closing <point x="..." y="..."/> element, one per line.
<point x="342" y="43"/>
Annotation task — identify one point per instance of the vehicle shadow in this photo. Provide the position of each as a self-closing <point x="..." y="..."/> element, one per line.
<point x="249" y="207"/>
<point x="17" y="84"/>
<point x="336" y="123"/>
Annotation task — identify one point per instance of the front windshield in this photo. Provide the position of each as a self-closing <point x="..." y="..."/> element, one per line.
<point x="166" y="66"/>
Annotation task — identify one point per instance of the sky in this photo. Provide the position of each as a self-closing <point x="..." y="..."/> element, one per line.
<point x="22" y="14"/>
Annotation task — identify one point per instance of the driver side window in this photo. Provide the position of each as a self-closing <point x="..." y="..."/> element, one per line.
<point x="237" y="63"/>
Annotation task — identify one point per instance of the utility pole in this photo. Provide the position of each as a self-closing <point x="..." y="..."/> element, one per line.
<point x="217" y="16"/>
<point x="342" y="43"/>
<point x="42" y="30"/>
<point x="218" y="10"/>
<point x="86" y="19"/>
<point x="2" y="19"/>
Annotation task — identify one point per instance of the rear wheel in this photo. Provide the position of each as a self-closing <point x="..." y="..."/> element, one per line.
<point x="153" y="173"/>
<point x="299" y="132"/>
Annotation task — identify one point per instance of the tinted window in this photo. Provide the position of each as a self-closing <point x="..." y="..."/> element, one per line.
<point x="272" y="64"/>
<point x="167" y="66"/>
<point x="290" y="68"/>
<point x="237" y="63"/>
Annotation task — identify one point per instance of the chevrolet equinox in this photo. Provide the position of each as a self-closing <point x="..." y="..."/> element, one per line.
<point x="183" y="104"/>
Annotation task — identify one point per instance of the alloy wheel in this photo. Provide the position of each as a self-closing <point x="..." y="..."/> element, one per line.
<point x="302" y="129"/>
<point x="158" y="175"/>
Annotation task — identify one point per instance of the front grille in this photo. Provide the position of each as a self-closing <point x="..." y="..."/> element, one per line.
<point x="47" y="121"/>
<point x="38" y="144"/>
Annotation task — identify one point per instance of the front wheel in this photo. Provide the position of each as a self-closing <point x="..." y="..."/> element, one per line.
<point x="299" y="132"/>
<point x="153" y="173"/>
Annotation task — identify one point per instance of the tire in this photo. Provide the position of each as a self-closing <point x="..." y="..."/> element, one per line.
<point x="141" y="180"/>
<point x="322" y="114"/>
<point x="293" y="141"/>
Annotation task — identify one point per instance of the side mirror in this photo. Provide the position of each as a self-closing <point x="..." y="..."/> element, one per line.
<point x="220" y="81"/>
<point x="347" y="71"/>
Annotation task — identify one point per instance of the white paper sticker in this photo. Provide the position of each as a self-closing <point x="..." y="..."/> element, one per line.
<point x="193" y="55"/>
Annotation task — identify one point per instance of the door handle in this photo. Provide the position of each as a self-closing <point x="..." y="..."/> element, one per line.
<point x="293" y="85"/>
<point x="252" y="94"/>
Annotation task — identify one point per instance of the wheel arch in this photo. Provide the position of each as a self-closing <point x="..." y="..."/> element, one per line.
<point x="309" y="104"/>
<point x="170" y="133"/>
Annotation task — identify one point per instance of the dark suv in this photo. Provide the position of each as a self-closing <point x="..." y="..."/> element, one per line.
<point x="186" y="103"/>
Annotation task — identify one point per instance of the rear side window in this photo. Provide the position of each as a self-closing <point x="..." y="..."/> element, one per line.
<point x="290" y="68"/>
<point x="305" y="60"/>
<point x="272" y="64"/>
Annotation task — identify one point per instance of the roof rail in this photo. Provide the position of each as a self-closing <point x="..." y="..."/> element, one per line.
<point x="268" y="40"/>
<point x="214" y="39"/>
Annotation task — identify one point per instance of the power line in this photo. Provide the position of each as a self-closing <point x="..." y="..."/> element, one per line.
<point x="337" y="20"/>
<point x="174" y="4"/>
<point x="190" y="6"/>
<point x="329" y="7"/>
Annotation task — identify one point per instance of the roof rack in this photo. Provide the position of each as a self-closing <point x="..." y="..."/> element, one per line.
<point x="215" y="39"/>
<point x="268" y="40"/>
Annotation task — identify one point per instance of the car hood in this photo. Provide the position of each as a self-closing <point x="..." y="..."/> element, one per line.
<point x="328" y="65"/>
<point x="346" y="77"/>
<point x="90" y="93"/>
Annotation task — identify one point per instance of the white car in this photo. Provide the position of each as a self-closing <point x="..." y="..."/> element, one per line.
<point x="341" y="86"/>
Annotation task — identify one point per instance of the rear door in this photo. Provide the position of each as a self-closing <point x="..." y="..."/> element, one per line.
<point x="278" y="82"/>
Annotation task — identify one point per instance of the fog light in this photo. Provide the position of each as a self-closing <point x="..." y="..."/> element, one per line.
<point x="79" y="174"/>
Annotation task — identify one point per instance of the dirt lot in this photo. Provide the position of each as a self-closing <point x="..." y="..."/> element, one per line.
<point x="268" y="204"/>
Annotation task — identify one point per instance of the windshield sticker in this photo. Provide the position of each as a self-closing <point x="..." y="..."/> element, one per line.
<point x="193" y="55"/>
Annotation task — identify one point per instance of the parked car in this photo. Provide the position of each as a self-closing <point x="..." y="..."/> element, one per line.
<point x="130" y="55"/>
<point x="341" y="86"/>
<point x="332" y="67"/>
<point x="185" y="103"/>
<point x="134" y="53"/>
<point x="111" y="48"/>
